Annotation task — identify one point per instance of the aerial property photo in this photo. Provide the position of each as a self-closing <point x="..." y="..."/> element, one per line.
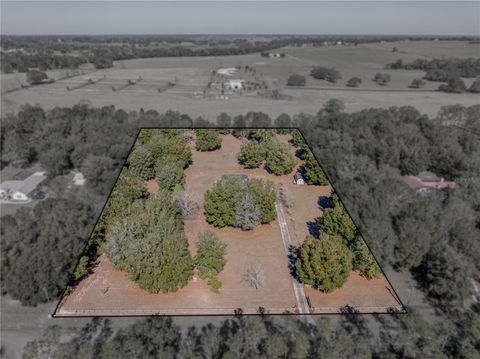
<point x="223" y="222"/>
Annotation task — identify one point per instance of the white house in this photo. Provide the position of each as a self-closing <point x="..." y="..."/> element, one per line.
<point x="234" y="84"/>
<point x="19" y="189"/>
<point x="79" y="179"/>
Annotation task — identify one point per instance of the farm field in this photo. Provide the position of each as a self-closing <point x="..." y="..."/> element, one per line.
<point x="191" y="76"/>
<point x="107" y="291"/>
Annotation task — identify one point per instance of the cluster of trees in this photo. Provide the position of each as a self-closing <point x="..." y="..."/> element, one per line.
<point x="405" y="229"/>
<point x="207" y="140"/>
<point x="364" y="153"/>
<point x="354" y="82"/>
<point x="35" y="77"/>
<point x="326" y="73"/>
<point x="311" y="170"/>
<point x="210" y="258"/>
<point x="392" y="336"/>
<point x="382" y="79"/>
<point x="457" y="85"/>
<point x="47" y="53"/>
<point x="441" y="69"/>
<point x="326" y="262"/>
<point x="296" y="80"/>
<point x="263" y="147"/>
<point x="143" y="234"/>
<point x="244" y="203"/>
<point x="19" y="61"/>
<point x="448" y="70"/>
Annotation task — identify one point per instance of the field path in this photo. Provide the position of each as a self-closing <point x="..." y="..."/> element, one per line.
<point x="302" y="303"/>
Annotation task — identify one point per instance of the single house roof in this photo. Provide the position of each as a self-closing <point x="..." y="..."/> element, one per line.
<point x="298" y="176"/>
<point x="25" y="186"/>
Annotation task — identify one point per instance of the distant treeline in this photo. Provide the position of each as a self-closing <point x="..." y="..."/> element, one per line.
<point x="441" y="69"/>
<point x="19" y="53"/>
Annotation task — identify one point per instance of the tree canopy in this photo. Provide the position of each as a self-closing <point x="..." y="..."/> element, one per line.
<point x="324" y="263"/>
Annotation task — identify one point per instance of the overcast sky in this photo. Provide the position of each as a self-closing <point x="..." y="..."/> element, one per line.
<point x="232" y="17"/>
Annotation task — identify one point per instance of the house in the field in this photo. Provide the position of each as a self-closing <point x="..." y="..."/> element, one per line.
<point x="426" y="181"/>
<point x="78" y="179"/>
<point x="21" y="186"/>
<point x="234" y="84"/>
<point x="298" y="178"/>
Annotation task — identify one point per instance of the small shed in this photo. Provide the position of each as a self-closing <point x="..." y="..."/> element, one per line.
<point x="298" y="178"/>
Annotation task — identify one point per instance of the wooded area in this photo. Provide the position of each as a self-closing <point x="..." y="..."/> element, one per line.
<point x="364" y="154"/>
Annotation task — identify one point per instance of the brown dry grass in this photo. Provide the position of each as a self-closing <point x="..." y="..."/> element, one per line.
<point x="193" y="75"/>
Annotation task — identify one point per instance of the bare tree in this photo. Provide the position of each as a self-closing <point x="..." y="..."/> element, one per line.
<point x="187" y="204"/>
<point x="247" y="215"/>
<point x="255" y="276"/>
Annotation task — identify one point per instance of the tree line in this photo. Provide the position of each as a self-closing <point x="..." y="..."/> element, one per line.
<point x="396" y="336"/>
<point x="364" y="153"/>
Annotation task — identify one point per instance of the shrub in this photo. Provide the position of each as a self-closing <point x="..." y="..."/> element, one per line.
<point x="354" y="82"/>
<point x="210" y="258"/>
<point x="363" y="260"/>
<point x="324" y="263"/>
<point x="381" y="79"/>
<point x="324" y="73"/>
<point x="296" y="80"/>
<point x="35" y="77"/>
<point x="453" y="85"/>
<point x="265" y="195"/>
<point x="82" y="268"/>
<point x="336" y="221"/>
<point x="141" y="162"/>
<point x="215" y="283"/>
<point x="251" y="155"/>
<point x="169" y="174"/>
<point x="207" y="140"/>
<point x="279" y="159"/>
<point x="221" y="201"/>
<point x="313" y="172"/>
<point x="417" y="83"/>
<point x="235" y="202"/>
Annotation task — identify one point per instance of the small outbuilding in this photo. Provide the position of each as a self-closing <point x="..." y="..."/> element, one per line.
<point x="298" y="178"/>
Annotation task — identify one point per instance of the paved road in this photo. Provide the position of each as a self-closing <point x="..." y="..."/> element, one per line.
<point x="302" y="303"/>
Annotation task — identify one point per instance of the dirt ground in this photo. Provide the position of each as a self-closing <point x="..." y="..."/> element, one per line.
<point x="192" y="76"/>
<point x="108" y="291"/>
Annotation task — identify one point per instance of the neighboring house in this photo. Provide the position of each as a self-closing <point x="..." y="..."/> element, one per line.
<point x="298" y="178"/>
<point x="21" y="186"/>
<point x="234" y="84"/>
<point x="426" y="181"/>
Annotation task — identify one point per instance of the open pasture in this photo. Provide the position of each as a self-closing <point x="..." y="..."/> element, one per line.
<point x="191" y="76"/>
